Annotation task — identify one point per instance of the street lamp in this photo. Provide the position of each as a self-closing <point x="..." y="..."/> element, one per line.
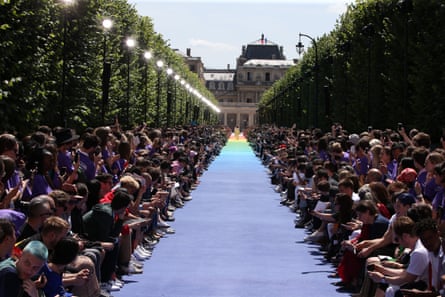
<point x="65" y="24"/>
<point x="147" y="57"/>
<point x="131" y="43"/>
<point x="300" y="47"/>
<point x="107" y="24"/>
<point x="405" y="7"/>
<point x="183" y="100"/>
<point x="175" y="105"/>
<point x="169" y="96"/>
<point x="368" y="31"/>
<point x="160" y="65"/>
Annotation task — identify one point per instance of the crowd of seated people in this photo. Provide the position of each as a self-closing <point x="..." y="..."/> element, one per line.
<point x="373" y="202"/>
<point x="79" y="211"/>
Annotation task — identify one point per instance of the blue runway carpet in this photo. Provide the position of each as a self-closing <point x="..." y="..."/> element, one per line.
<point x="233" y="240"/>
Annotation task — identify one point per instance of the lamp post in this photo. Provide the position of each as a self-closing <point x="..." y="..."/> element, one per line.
<point x="160" y="64"/>
<point x="147" y="57"/>
<point x="131" y="43"/>
<point x="169" y="96"/>
<point x="300" y="47"/>
<point x="65" y="25"/>
<point x="405" y="7"/>
<point x="183" y="100"/>
<point x="368" y="31"/>
<point x="175" y="103"/>
<point x="107" y="24"/>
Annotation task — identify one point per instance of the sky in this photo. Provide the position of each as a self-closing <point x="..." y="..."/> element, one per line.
<point x="216" y="30"/>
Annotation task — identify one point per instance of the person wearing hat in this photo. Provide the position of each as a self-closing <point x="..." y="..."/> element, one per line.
<point x="64" y="253"/>
<point x="64" y="140"/>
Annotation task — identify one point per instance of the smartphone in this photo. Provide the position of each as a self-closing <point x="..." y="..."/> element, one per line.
<point x="370" y="267"/>
<point x="399" y="126"/>
<point x="369" y="128"/>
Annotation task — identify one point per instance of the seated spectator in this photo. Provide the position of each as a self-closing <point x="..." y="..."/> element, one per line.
<point x="403" y="203"/>
<point x="16" y="275"/>
<point x="104" y="223"/>
<point x="65" y="251"/>
<point x="64" y="142"/>
<point x="416" y="274"/>
<point x="38" y="211"/>
<point x="7" y="239"/>
<point x="372" y="225"/>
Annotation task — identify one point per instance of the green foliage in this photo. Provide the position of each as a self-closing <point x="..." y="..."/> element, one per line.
<point x="382" y="64"/>
<point x="44" y="42"/>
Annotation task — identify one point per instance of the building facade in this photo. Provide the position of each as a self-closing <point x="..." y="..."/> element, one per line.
<point x="239" y="91"/>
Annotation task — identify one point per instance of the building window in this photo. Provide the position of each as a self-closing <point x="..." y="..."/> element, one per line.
<point x="248" y="100"/>
<point x="211" y="85"/>
<point x="220" y="86"/>
<point x="230" y="86"/>
<point x="267" y="76"/>
<point x="249" y="78"/>
<point x="192" y="68"/>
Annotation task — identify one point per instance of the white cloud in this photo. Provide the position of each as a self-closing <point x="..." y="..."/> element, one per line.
<point x="337" y="7"/>
<point x="213" y="45"/>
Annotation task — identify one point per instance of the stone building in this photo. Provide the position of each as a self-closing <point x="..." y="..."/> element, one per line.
<point x="239" y="90"/>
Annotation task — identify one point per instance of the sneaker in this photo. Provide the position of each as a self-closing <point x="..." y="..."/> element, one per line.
<point x="314" y="237"/>
<point x="137" y="264"/>
<point x="118" y="282"/>
<point x="113" y="286"/>
<point x="132" y="269"/>
<point x="142" y="252"/>
<point x="140" y="256"/>
<point x="170" y="231"/>
<point x="187" y="198"/>
<point x="136" y="261"/>
<point x="162" y="224"/>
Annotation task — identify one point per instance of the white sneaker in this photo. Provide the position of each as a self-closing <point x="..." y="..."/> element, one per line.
<point x="113" y="287"/>
<point x="143" y="250"/>
<point x="140" y="256"/>
<point x="118" y="282"/>
<point x="170" y="231"/>
<point x="132" y="269"/>
<point x="162" y="224"/>
<point x="187" y="198"/>
<point x="136" y="261"/>
<point x="314" y="237"/>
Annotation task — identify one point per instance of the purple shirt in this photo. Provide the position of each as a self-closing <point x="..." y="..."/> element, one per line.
<point x="431" y="188"/>
<point x="438" y="201"/>
<point x="87" y="165"/>
<point x="40" y="186"/>
<point x="13" y="181"/>
<point x="64" y="162"/>
<point x="361" y="169"/>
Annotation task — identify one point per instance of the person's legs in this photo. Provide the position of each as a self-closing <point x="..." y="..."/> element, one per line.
<point x="91" y="286"/>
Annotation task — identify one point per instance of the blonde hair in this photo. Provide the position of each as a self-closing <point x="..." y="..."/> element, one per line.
<point x="129" y="181"/>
